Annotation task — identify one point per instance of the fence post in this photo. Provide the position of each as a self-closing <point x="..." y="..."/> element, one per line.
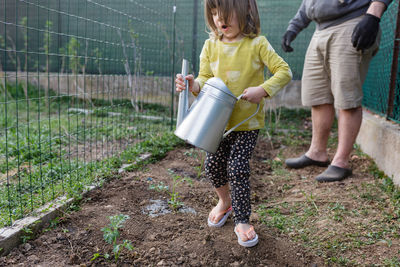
<point x="173" y="64"/>
<point x="395" y="62"/>
<point x="194" y="44"/>
<point x="6" y="115"/>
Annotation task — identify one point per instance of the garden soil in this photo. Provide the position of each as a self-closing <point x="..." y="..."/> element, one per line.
<point x="174" y="238"/>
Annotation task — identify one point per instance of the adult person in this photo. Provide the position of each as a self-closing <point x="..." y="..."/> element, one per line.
<point x="346" y="38"/>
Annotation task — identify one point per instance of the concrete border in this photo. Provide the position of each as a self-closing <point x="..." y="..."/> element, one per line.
<point x="380" y="139"/>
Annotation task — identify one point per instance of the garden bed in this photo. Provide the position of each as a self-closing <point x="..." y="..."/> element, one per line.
<point x="299" y="222"/>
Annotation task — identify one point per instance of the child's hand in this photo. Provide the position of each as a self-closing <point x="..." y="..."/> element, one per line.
<point x="254" y="94"/>
<point x="180" y="83"/>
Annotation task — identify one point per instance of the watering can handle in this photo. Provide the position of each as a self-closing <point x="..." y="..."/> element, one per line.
<point x="183" y="106"/>
<point x="240" y="123"/>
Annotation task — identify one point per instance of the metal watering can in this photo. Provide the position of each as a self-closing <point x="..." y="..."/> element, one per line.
<point x="204" y="123"/>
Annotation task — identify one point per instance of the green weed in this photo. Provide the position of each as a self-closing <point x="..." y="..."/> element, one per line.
<point x="55" y="222"/>
<point x="27" y="235"/>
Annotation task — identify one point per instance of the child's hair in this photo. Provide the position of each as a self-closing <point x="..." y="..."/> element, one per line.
<point x="246" y="13"/>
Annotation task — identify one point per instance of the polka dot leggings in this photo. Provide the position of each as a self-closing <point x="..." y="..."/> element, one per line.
<point x="231" y="163"/>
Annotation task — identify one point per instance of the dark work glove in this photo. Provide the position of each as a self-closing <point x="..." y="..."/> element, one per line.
<point x="365" y="32"/>
<point x="287" y="38"/>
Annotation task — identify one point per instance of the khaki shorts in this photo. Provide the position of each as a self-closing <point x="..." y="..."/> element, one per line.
<point x="334" y="70"/>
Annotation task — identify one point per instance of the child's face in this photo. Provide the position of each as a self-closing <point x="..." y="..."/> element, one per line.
<point x="230" y="30"/>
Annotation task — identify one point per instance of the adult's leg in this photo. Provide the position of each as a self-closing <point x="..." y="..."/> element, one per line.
<point x="316" y="93"/>
<point x="348" y="71"/>
<point x="348" y="126"/>
<point x="322" y="117"/>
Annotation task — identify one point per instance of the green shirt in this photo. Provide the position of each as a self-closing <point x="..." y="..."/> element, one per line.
<point x="241" y="65"/>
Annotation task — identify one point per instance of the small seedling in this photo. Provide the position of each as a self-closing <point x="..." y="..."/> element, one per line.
<point x="74" y="207"/>
<point x="201" y="166"/>
<point x="54" y="223"/>
<point x="177" y="180"/>
<point x="190" y="153"/>
<point x="28" y="234"/>
<point x="160" y="187"/>
<point x="111" y="234"/>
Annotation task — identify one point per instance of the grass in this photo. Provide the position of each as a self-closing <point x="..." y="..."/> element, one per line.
<point x="331" y="229"/>
<point x="46" y="152"/>
<point x="337" y="223"/>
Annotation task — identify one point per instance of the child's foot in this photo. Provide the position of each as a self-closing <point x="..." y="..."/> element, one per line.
<point x="247" y="237"/>
<point x="219" y="214"/>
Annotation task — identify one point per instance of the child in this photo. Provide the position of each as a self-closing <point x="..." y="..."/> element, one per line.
<point x="236" y="54"/>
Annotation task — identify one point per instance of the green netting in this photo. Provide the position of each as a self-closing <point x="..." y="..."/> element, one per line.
<point x="396" y="105"/>
<point x="376" y="86"/>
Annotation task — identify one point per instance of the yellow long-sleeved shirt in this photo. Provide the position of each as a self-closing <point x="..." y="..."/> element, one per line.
<point x="241" y="65"/>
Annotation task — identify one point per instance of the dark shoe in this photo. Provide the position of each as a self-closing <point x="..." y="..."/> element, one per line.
<point x="333" y="174"/>
<point x="304" y="161"/>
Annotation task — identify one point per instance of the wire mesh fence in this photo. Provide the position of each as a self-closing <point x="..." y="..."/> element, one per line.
<point x="83" y="80"/>
<point x="80" y="81"/>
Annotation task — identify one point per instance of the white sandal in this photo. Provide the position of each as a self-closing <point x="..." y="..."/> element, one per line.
<point x="248" y="243"/>
<point x="223" y="219"/>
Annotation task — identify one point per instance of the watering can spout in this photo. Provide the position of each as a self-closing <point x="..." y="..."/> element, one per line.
<point x="183" y="105"/>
